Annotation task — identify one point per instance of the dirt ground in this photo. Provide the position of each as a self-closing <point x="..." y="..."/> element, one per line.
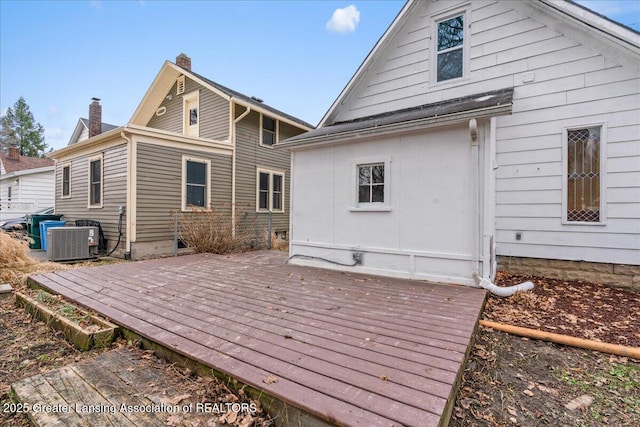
<point x="521" y="382"/>
<point x="28" y="348"/>
<point x="507" y="381"/>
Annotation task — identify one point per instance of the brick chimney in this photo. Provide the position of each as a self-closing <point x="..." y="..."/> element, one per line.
<point x="14" y="152"/>
<point x="183" y="61"/>
<point x="95" y="117"/>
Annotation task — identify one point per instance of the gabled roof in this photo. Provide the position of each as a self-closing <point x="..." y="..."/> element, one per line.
<point x="23" y="163"/>
<point x="481" y="105"/>
<point x="167" y="76"/>
<point x="587" y="21"/>
<point x="84" y="124"/>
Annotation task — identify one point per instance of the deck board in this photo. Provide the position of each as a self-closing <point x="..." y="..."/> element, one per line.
<point x="349" y="348"/>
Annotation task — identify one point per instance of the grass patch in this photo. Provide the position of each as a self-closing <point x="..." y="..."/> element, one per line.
<point x="614" y="388"/>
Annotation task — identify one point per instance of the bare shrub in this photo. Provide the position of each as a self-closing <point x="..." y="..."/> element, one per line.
<point x="14" y="252"/>
<point x="213" y="231"/>
<point x="15" y="262"/>
<point x="279" y="244"/>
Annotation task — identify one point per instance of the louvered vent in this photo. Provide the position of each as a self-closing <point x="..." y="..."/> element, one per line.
<point x="180" y="85"/>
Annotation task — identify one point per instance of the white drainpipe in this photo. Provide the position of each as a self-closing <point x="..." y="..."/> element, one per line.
<point x="475" y="256"/>
<point x="233" y="166"/>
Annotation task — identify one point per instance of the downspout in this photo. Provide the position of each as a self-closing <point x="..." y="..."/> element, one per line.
<point x="233" y="165"/>
<point x="475" y="158"/>
<point x="475" y="254"/>
<point x="129" y="191"/>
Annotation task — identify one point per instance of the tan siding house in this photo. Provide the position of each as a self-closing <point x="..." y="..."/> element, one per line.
<point x="191" y="144"/>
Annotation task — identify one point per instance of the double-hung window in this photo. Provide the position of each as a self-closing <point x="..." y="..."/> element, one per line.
<point x="270" y="191"/>
<point x="195" y="183"/>
<point x="95" y="181"/>
<point x="269" y="134"/>
<point x="450" y="48"/>
<point x="66" y="180"/>
<point x="584" y="175"/>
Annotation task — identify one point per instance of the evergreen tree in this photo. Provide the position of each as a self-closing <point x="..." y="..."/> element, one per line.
<point x="21" y="130"/>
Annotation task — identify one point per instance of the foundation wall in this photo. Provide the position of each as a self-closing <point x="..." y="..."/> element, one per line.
<point x="609" y="274"/>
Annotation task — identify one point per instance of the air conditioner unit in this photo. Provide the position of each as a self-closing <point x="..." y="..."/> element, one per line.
<point x="67" y="243"/>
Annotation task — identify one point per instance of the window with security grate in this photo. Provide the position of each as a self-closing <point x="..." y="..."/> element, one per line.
<point x="583" y="175"/>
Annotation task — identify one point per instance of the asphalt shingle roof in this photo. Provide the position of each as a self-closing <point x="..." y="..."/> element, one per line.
<point x="438" y="109"/>
<point x="23" y="163"/>
<point x="250" y="100"/>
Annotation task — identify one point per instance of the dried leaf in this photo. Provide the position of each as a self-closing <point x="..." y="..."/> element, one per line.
<point x="174" y="420"/>
<point x="271" y="379"/>
<point x="246" y="421"/>
<point x="177" y="399"/>
<point x="580" y="402"/>
<point x="528" y="392"/>
<point x="231" y="417"/>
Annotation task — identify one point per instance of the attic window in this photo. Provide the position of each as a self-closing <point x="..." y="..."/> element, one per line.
<point x="180" y="84"/>
<point x="450" y="55"/>
<point x="269" y="131"/>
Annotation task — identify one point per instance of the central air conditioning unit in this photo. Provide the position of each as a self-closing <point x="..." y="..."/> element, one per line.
<point x="67" y="243"/>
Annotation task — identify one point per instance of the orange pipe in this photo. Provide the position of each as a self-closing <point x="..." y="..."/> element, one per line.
<point x="602" y="347"/>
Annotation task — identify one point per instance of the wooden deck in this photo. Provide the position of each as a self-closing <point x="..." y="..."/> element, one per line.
<point x="349" y="349"/>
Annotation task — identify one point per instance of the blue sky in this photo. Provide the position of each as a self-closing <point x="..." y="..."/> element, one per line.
<point x="296" y="55"/>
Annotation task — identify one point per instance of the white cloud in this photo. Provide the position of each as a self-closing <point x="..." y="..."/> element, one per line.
<point x="53" y="110"/>
<point x="344" y="20"/>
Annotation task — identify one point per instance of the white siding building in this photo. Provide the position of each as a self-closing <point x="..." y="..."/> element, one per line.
<point x="498" y="129"/>
<point x="26" y="184"/>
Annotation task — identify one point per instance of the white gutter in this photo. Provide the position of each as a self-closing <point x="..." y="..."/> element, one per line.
<point x="354" y="135"/>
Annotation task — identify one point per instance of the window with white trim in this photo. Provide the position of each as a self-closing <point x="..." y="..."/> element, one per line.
<point x="270" y="191"/>
<point x="371" y="183"/>
<point x="95" y="181"/>
<point x="583" y="175"/>
<point x="66" y="180"/>
<point x="450" y="48"/>
<point x="191" y="112"/>
<point x="269" y="135"/>
<point x="196" y="183"/>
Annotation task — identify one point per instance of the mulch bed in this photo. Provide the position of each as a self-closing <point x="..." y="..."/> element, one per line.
<point x="575" y="308"/>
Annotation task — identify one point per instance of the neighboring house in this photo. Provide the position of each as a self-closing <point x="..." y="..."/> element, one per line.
<point x="26" y="184"/>
<point x="191" y="144"/>
<point x="475" y="129"/>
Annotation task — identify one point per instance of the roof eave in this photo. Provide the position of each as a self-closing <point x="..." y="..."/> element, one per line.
<point x="98" y="139"/>
<point x="271" y="114"/>
<point x="407" y="126"/>
<point x="27" y="172"/>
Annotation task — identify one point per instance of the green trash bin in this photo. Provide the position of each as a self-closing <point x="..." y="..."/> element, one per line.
<point x="33" y="228"/>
